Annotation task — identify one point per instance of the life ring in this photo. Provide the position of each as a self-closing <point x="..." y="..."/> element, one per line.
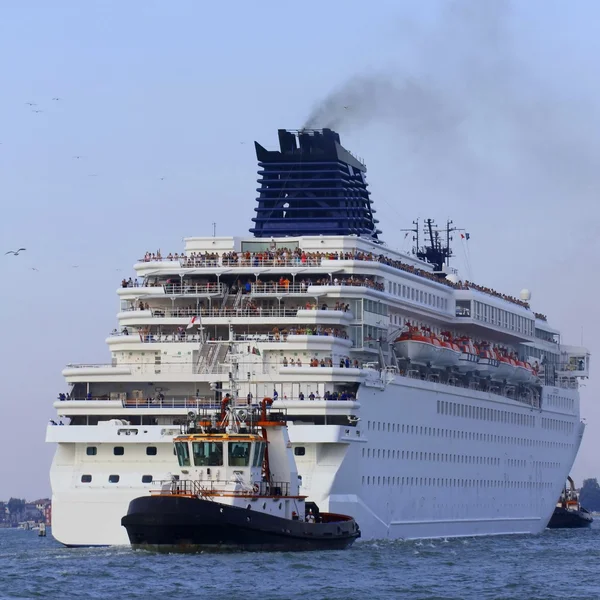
<point x="255" y="488"/>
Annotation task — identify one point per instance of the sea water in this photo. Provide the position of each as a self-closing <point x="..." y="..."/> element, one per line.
<point x="559" y="564"/>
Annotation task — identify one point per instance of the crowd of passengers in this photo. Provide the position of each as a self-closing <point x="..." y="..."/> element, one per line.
<point x="327" y="396"/>
<point x="291" y="256"/>
<point x="469" y="285"/>
<point x="324" y="362"/>
<point x="283" y="284"/>
<point x="250" y="308"/>
<point x="318" y="330"/>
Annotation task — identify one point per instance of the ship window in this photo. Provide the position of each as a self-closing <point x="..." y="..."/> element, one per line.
<point x="300" y="451"/>
<point x="113" y="479"/>
<point x="183" y="454"/>
<point x="259" y="454"/>
<point x="146" y="478"/>
<point x="239" y="454"/>
<point x="86" y="479"/>
<point x="91" y="450"/>
<point x="205" y="454"/>
<point x="151" y="450"/>
<point x="118" y="450"/>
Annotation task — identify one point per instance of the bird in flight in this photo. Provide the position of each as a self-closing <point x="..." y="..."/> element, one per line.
<point x="34" y="269"/>
<point x="15" y="252"/>
<point x="162" y="178"/>
<point x="56" y="98"/>
<point x="78" y="156"/>
<point x="37" y="111"/>
<point x="346" y="107"/>
<point x="31" y="103"/>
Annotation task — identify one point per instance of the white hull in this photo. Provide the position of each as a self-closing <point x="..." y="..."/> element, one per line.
<point x="422" y="462"/>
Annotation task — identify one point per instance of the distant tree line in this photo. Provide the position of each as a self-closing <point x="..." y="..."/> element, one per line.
<point x="589" y="495"/>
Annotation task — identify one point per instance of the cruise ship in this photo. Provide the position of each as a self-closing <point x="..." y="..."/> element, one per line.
<point x="420" y="404"/>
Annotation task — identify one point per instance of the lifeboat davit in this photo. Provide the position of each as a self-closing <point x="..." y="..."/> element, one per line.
<point x="449" y="354"/>
<point x="488" y="363"/>
<point x="468" y="355"/>
<point x="507" y="366"/>
<point x="417" y="346"/>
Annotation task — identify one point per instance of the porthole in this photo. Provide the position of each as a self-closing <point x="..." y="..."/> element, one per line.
<point x="113" y="478"/>
<point x="91" y="450"/>
<point x="86" y="479"/>
<point x="146" y="478"/>
<point x="118" y="450"/>
<point x="151" y="450"/>
<point x="299" y="450"/>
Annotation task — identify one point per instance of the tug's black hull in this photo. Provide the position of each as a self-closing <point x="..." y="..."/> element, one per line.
<point x="570" y="519"/>
<point x="184" y="524"/>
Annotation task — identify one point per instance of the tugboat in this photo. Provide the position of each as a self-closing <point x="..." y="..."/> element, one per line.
<point x="569" y="513"/>
<point x="238" y="489"/>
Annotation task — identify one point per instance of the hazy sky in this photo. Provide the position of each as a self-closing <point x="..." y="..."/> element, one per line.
<point x="483" y="111"/>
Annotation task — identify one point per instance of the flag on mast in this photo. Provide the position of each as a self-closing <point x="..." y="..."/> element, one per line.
<point x="192" y="322"/>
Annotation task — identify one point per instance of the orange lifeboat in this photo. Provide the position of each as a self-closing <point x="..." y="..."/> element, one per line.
<point x="507" y="365"/>
<point x="417" y="345"/>
<point x="449" y="354"/>
<point x="524" y="372"/>
<point x="468" y="355"/>
<point x="488" y="363"/>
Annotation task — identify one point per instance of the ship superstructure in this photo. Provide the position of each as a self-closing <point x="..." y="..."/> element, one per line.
<point x="419" y="404"/>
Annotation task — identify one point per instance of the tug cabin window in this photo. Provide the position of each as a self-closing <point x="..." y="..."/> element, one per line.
<point x="239" y="454"/>
<point x="183" y="454"/>
<point x="259" y="454"/>
<point x="207" y="454"/>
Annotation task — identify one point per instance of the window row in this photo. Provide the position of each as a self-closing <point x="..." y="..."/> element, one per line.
<point x="503" y="318"/>
<point x="415" y="295"/>
<point x="114" y="478"/>
<point x="560" y="402"/>
<point x="465" y="435"/>
<point x="431" y="456"/>
<point x="120" y="450"/>
<point x="557" y="425"/>
<point x="481" y="413"/>
<point x="451" y="482"/>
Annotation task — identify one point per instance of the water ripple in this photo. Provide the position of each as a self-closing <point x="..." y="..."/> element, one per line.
<point x="557" y="565"/>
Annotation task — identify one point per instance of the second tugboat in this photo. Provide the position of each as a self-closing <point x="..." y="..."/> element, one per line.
<point x="569" y="513"/>
<point x="238" y="490"/>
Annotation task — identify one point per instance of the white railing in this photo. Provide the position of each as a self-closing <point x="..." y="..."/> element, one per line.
<point x="174" y="289"/>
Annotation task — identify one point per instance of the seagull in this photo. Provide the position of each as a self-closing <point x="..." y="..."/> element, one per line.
<point x="15" y="252"/>
<point x="162" y="178"/>
<point x="56" y="98"/>
<point x="346" y="107"/>
<point x="78" y="156"/>
<point x="37" y="111"/>
<point x="75" y="266"/>
<point x="31" y="103"/>
<point x="34" y="269"/>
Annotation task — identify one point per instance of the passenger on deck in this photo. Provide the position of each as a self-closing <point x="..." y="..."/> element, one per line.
<point x="311" y="396"/>
<point x="310" y="518"/>
<point x="300" y="396"/>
